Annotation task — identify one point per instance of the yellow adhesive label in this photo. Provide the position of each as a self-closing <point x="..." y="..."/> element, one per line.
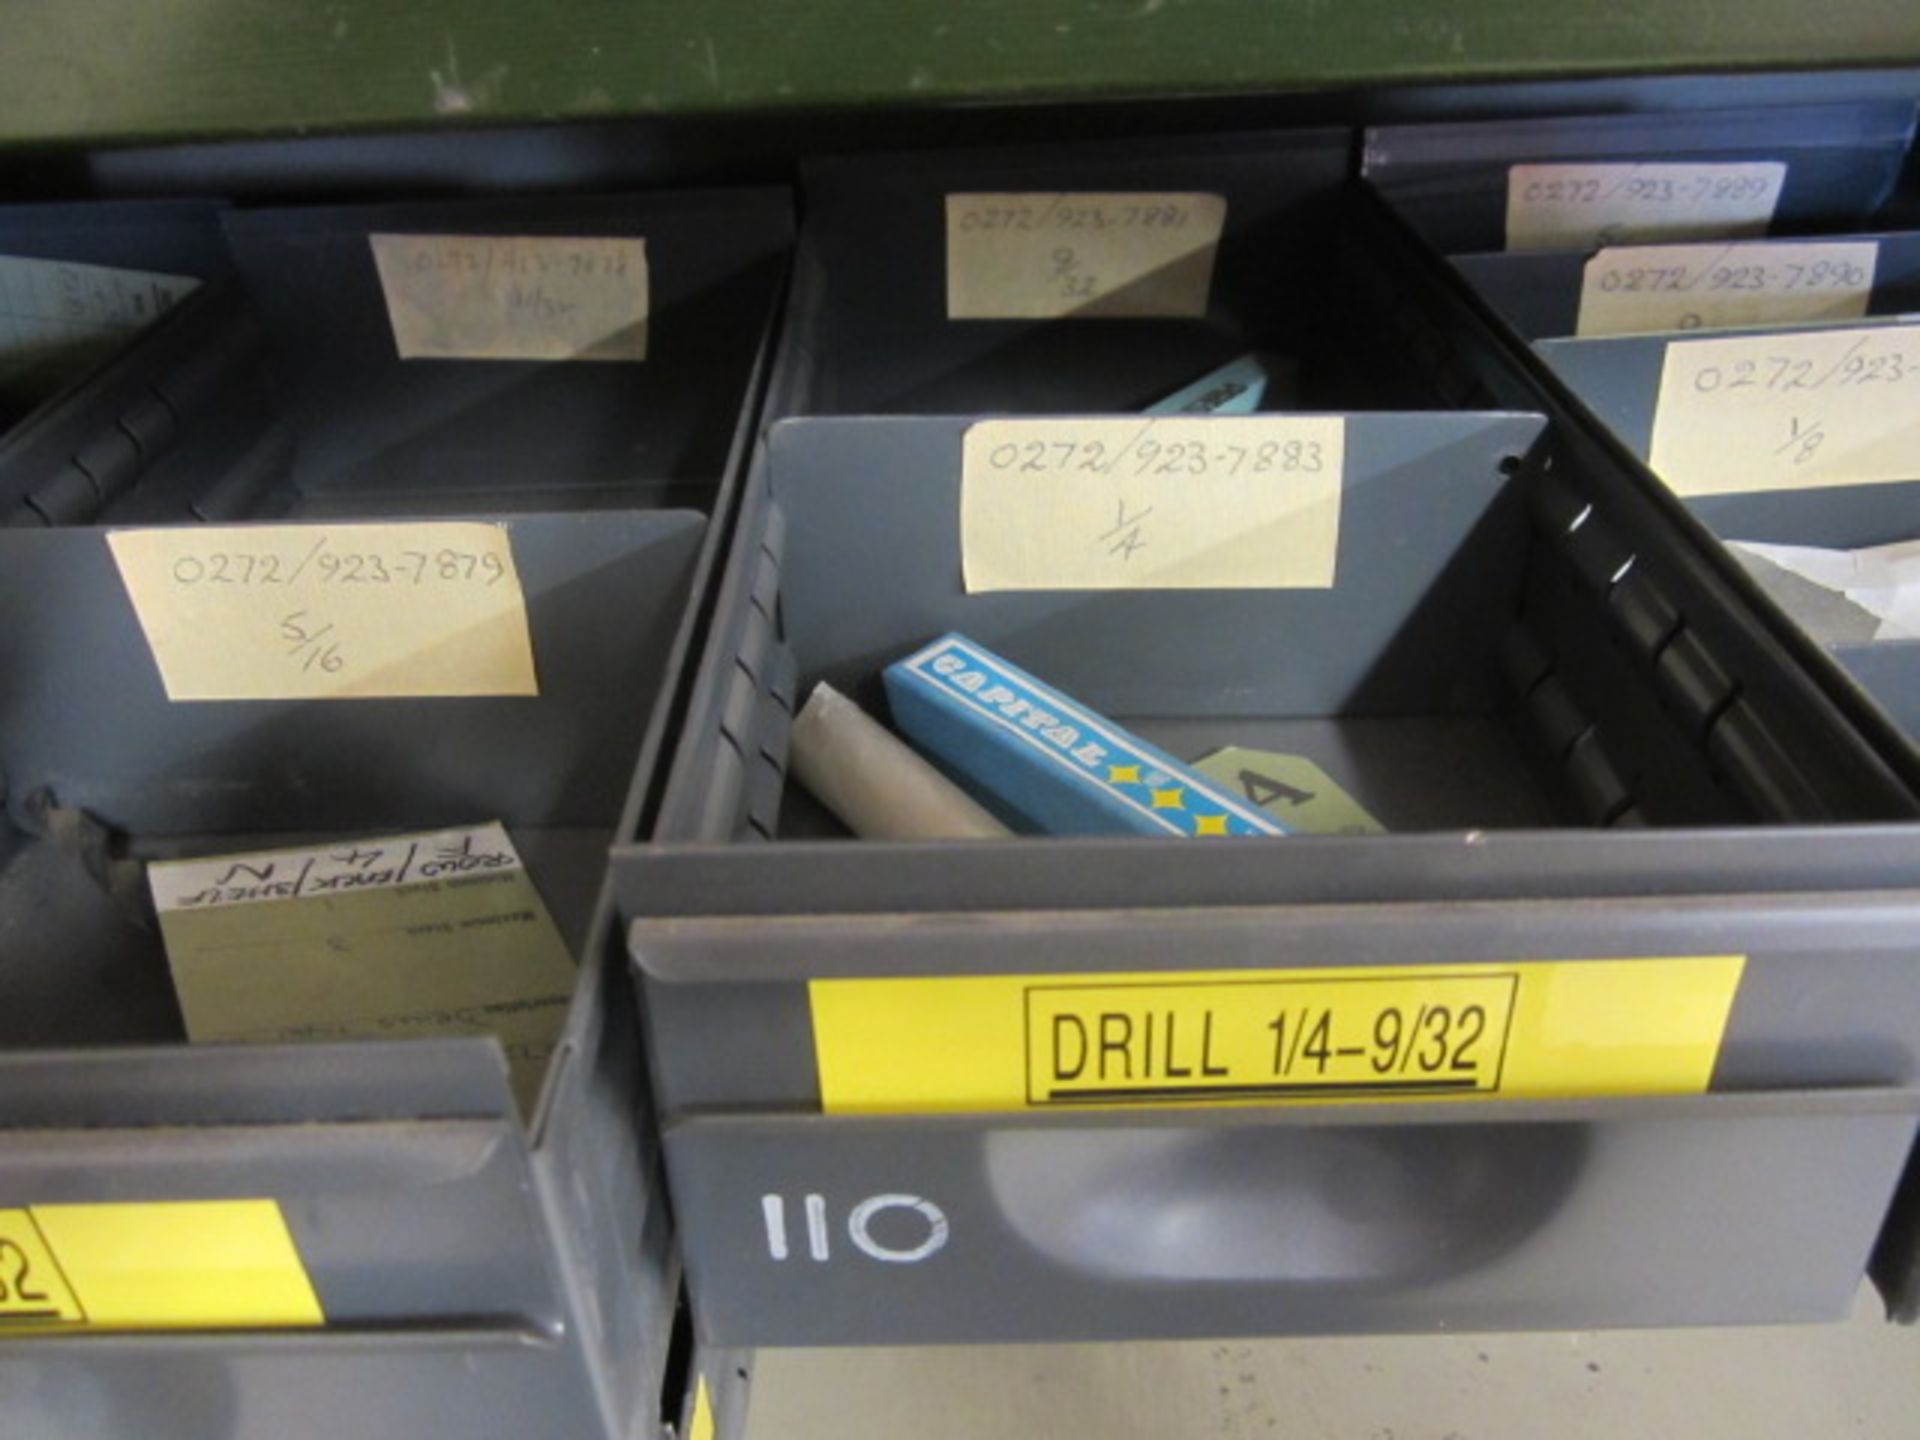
<point x="330" y="612"/>
<point x="1639" y="289"/>
<point x="515" y="297"/>
<point x="1219" y="502"/>
<point x="1584" y="205"/>
<point x="33" y="1292"/>
<point x="1540" y="1029"/>
<point x="181" y="1265"/>
<point x="1796" y="410"/>
<point x="1044" y="256"/>
<point x="700" y="1426"/>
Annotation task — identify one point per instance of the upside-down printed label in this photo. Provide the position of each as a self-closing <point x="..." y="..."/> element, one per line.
<point x="170" y="1265"/>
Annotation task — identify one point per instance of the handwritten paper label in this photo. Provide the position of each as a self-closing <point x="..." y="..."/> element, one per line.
<point x="57" y="317"/>
<point x="1790" y="411"/>
<point x="1637" y="289"/>
<point x="1225" y="502"/>
<point x="330" y="612"/>
<point x="515" y="297"/>
<point x="1579" y="207"/>
<point x="1043" y="255"/>
<point x="389" y="939"/>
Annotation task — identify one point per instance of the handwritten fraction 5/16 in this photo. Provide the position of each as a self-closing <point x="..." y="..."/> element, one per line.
<point x="278" y="612"/>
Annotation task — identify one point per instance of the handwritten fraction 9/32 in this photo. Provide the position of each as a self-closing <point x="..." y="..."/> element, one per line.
<point x="330" y="611"/>
<point x="1055" y="255"/>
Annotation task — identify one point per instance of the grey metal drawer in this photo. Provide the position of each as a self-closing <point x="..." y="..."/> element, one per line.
<point x="1289" y="1220"/>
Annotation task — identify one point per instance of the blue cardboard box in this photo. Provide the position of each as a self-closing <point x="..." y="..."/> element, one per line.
<point x="1236" y="388"/>
<point x="1046" y="763"/>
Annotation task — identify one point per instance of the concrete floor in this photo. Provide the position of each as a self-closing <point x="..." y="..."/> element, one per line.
<point x="1860" y="1380"/>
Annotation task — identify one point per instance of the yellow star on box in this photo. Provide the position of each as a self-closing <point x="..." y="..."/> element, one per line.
<point x="1209" y="824"/>
<point x="1169" y="799"/>
<point x="1123" y="774"/>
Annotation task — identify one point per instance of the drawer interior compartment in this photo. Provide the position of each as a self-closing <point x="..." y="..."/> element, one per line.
<point x="1493" y="652"/>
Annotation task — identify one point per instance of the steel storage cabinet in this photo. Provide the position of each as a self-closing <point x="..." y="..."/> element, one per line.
<point x="1842" y="162"/>
<point x="1594" y="748"/>
<point x="1841" y="167"/>
<point x="480" y="1272"/>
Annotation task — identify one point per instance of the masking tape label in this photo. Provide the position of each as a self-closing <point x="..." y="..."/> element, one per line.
<point x="325" y="612"/>
<point x="1564" y="1028"/>
<point x="57" y="317"/>
<point x="1789" y="411"/>
<point x="1175" y="502"/>
<point x="183" y="1265"/>
<point x="515" y="297"/>
<point x="1582" y="206"/>
<point x="1638" y="289"/>
<point x="1045" y="255"/>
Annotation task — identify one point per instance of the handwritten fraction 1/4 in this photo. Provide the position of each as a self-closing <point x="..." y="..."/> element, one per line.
<point x="1125" y="535"/>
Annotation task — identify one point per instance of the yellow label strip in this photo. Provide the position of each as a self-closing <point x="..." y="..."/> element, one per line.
<point x="700" y="1426"/>
<point x="185" y="1265"/>
<point x="1560" y="1028"/>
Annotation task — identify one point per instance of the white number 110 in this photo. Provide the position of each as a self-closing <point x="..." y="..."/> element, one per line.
<point x="773" y="1209"/>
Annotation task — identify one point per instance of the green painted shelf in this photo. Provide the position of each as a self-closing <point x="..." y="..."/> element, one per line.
<point x="100" y="71"/>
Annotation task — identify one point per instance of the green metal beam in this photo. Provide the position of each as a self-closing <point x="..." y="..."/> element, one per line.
<point x="108" y="70"/>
